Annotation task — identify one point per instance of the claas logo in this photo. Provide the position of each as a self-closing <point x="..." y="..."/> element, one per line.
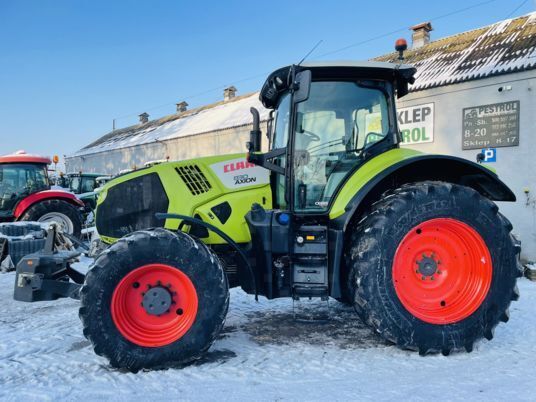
<point x="233" y="167"/>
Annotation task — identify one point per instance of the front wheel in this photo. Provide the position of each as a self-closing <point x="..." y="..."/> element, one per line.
<point x="433" y="267"/>
<point x="154" y="299"/>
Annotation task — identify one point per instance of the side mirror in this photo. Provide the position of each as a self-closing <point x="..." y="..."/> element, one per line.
<point x="401" y="88"/>
<point x="303" y="83"/>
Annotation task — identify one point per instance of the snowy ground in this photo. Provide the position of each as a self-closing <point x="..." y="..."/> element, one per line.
<point x="263" y="354"/>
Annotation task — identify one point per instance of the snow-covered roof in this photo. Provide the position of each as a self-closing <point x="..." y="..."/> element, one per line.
<point x="218" y="116"/>
<point x="504" y="47"/>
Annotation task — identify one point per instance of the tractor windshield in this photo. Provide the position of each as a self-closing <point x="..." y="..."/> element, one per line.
<point x="19" y="180"/>
<point x="334" y="127"/>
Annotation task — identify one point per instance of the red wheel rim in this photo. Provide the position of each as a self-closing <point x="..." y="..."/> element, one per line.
<point x="130" y="306"/>
<point x="442" y="271"/>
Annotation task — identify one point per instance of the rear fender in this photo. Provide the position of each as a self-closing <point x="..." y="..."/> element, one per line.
<point x="27" y="202"/>
<point x="417" y="168"/>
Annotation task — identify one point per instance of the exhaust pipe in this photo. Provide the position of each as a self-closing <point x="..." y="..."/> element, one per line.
<point x="254" y="144"/>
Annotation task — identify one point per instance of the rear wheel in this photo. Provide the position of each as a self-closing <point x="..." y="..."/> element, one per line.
<point x="154" y="299"/>
<point x="433" y="267"/>
<point x="66" y="215"/>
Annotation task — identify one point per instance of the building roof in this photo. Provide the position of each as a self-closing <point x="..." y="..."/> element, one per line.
<point x="214" y="117"/>
<point x="504" y="47"/>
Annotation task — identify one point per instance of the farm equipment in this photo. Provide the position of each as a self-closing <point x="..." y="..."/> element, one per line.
<point x="85" y="186"/>
<point x="335" y="209"/>
<point x="46" y="273"/>
<point x="26" y="194"/>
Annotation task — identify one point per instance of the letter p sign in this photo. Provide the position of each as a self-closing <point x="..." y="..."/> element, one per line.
<point x="490" y="155"/>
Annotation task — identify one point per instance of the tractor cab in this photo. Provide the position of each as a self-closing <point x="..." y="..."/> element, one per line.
<point x="327" y="120"/>
<point x="26" y="195"/>
<point x="21" y="175"/>
<point x="80" y="183"/>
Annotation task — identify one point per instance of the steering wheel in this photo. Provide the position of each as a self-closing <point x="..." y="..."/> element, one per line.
<point x="313" y="136"/>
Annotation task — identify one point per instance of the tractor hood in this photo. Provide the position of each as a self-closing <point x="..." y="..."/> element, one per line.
<point x="205" y="187"/>
<point x="280" y="81"/>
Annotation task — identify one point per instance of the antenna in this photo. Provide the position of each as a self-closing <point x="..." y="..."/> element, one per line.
<point x="310" y="51"/>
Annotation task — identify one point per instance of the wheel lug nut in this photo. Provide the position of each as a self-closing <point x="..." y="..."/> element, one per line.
<point x="136" y="285"/>
<point x="423" y="278"/>
<point x="439" y="272"/>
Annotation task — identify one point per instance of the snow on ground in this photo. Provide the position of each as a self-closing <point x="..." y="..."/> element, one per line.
<point x="263" y="354"/>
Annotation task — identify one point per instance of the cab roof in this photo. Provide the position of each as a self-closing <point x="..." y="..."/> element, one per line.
<point x="278" y="81"/>
<point x="357" y="64"/>
<point x="23" y="157"/>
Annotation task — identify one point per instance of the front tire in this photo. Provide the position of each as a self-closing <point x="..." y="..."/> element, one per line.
<point x="154" y="299"/>
<point x="433" y="267"/>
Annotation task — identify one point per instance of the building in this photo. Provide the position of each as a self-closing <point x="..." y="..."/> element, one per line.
<point x="474" y="92"/>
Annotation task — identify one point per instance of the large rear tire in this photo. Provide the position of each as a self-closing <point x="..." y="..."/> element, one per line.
<point x="154" y="299"/>
<point x="66" y="215"/>
<point x="433" y="267"/>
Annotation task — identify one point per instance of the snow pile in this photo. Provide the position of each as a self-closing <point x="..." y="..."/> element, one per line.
<point x="261" y="355"/>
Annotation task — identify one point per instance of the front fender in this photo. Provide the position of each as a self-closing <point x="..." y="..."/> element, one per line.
<point x="27" y="202"/>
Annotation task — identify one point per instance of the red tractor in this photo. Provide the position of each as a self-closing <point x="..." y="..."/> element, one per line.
<point x="26" y="195"/>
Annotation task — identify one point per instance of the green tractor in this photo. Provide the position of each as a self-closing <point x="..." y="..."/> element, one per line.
<point x="334" y="209"/>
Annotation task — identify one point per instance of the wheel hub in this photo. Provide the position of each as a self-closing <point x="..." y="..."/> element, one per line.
<point x="157" y="301"/>
<point x="428" y="265"/>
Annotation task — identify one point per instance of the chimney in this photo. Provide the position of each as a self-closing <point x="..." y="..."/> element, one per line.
<point x="182" y="106"/>
<point x="421" y="34"/>
<point x="229" y="93"/>
<point x="144" y="118"/>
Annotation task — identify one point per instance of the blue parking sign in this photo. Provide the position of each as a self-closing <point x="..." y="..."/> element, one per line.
<point x="490" y="155"/>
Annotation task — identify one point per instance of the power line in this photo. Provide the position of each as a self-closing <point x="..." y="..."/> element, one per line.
<point x="196" y="95"/>
<point x="380" y="36"/>
<point x="461" y="10"/>
<point x="517" y="8"/>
